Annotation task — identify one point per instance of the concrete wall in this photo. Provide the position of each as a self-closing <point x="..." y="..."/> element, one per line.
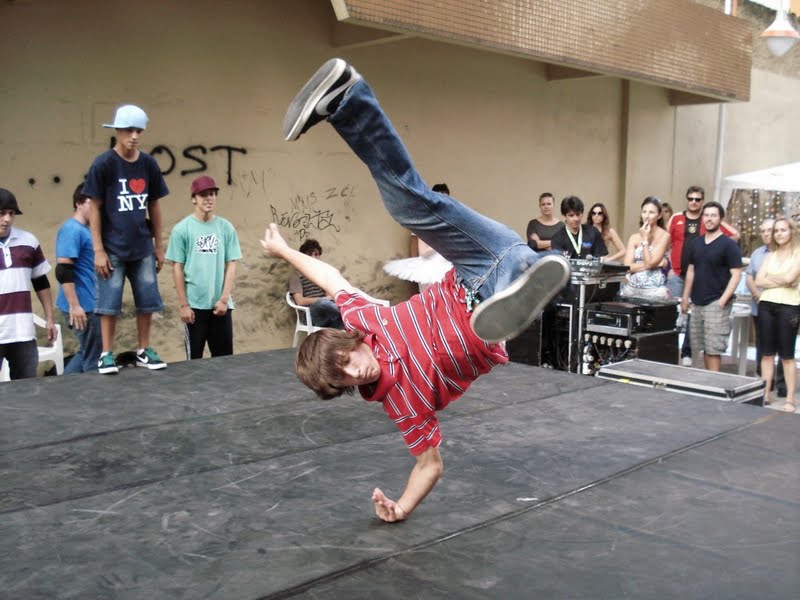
<point x="213" y="74"/>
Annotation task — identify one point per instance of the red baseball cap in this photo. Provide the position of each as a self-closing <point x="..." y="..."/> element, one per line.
<point x="203" y="183"/>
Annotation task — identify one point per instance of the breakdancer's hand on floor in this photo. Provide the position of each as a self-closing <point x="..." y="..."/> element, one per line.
<point x="386" y="509"/>
<point x="426" y="473"/>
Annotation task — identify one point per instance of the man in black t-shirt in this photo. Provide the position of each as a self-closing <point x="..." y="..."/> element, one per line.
<point x="714" y="270"/>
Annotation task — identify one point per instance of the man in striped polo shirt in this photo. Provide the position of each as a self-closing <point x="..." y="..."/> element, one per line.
<point x="420" y="355"/>
<point x="23" y="264"/>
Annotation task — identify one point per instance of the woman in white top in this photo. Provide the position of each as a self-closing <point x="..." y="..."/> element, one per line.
<point x="645" y="255"/>
<point x="779" y="307"/>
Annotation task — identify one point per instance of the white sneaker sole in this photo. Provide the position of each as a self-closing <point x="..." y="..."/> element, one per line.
<point x="306" y="100"/>
<point x="152" y="367"/>
<point x="506" y="314"/>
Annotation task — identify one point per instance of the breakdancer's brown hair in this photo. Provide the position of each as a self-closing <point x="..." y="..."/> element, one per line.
<point x="321" y="360"/>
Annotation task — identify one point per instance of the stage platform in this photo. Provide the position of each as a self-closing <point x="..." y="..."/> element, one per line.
<point x="226" y="479"/>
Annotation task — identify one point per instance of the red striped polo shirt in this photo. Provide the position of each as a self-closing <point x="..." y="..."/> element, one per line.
<point x="427" y="352"/>
<point x="21" y="259"/>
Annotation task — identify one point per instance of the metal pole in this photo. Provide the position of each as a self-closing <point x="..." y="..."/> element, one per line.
<point x="721" y="124"/>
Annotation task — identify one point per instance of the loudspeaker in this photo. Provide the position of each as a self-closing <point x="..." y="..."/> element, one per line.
<point x="526" y="348"/>
<point x="658" y="347"/>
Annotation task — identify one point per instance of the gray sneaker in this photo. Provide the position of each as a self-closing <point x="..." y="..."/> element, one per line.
<point x="506" y="314"/>
<point x="319" y="98"/>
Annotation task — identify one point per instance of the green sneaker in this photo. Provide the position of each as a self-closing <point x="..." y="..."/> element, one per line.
<point x="107" y="365"/>
<point x="148" y="358"/>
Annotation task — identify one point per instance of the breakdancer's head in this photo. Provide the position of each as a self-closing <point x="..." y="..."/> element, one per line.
<point x="333" y="362"/>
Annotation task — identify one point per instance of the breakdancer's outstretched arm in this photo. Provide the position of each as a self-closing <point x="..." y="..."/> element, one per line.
<point x="361" y="368"/>
<point x="417" y="357"/>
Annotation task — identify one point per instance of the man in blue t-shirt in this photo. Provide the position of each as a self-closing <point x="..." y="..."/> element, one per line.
<point x="75" y="273"/>
<point x="125" y="185"/>
<point x="714" y="271"/>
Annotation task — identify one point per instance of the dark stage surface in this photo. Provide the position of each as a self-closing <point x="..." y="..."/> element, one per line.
<point x="224" y="479"/>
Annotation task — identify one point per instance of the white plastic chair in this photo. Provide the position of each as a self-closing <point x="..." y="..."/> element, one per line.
<point x="303" y="313"/>
<point x="54" y="353"/>
<point x="304" y="323"/>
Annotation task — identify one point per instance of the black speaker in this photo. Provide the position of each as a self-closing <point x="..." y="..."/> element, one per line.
<point x="526" y="348"/>
<point x="658" y="347"/>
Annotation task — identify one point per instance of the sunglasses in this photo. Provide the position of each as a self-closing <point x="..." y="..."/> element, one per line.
<point x="597" y="213"/>
<point x="691" y="199"/>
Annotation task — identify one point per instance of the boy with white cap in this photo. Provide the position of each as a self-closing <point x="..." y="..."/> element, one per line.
<point x="204" y="248"/>
<point x="125" y="185"/>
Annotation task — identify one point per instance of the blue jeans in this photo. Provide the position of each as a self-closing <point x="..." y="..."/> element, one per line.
<point x="487" y="255"/>
<point x="90" y="345"/>
<point x="325" y="313"/>
<point x="144" y="284"/>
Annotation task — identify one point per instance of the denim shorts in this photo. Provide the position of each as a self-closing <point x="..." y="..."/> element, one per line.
<point x="144" y="284"/>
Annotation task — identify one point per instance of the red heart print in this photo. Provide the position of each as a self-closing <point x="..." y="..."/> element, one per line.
<point x="137" y="185"/>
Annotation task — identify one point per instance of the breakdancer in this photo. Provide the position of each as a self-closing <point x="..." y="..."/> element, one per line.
<point x="420" y="355"/>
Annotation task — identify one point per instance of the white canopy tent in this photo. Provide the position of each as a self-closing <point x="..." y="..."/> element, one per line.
<point x="750" y="198"/>
<point x="784" y="178"/>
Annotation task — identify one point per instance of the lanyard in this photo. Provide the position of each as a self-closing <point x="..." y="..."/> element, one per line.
<point x="579" y="244"/>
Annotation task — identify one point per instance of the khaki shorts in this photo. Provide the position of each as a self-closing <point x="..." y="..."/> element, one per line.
<point x="710" y="328"/>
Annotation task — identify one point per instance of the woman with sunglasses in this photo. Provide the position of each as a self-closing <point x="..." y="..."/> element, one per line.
<point x="598" y="216"/>
<point x="779" y="307"/>
<point x="645" y="255"/>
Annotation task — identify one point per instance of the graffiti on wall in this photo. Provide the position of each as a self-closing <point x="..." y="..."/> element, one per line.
<point x="169" y="161"/>
<point x="196" y="154"/>
<point x="310" y="213"/>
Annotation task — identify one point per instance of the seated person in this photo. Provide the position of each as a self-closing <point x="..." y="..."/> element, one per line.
<point x="577" y="240"/>
<point x="324" y="312"/>
<point x="646" y="255"/>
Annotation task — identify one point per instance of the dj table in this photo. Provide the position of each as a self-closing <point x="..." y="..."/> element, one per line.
<point x="585" y="328"/>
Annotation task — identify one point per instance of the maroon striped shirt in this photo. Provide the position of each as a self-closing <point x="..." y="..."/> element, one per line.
<point x="427" y="352"/>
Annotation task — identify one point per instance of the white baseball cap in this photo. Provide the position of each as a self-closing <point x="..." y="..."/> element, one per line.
<point x="128" y="116"/>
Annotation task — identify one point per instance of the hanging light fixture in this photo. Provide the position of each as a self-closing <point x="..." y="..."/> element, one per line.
<point x="781" y="36"/>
